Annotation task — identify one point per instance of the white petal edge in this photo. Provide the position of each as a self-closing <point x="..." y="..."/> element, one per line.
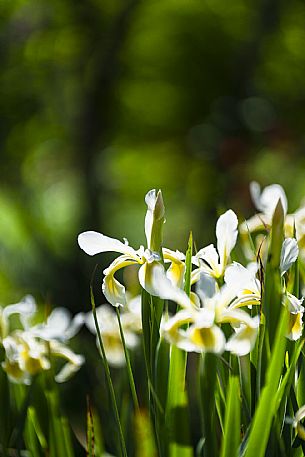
<point x="94" y="243"/>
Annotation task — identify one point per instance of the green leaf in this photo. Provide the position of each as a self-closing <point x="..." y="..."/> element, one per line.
<point x="177" y="414"/>
<point x="60" y="444"/>
<point x="231" y="438"/>
<point x="145" y="445"/>
<point x="162" y="373"/>
<point x="267" y="405"/>
<point x="272" y="296"/>
<point x="208" y="386"/>
<point x="5" y="418"/>
<point x="33" y="419"/>
<point x="288" y="378"/>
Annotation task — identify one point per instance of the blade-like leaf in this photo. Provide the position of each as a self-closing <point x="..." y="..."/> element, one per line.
<point x="177" y="414"/>
<point x="231" y="438"/>
<point x="267" y="405"/>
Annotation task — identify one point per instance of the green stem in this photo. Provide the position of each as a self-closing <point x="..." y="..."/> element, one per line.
<point x="128" y="364"/>
<point x="108" y="377"/>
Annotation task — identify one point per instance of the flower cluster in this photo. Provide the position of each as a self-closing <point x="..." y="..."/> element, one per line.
<point x="28" y="349"/>
<point x="222" y="312"/>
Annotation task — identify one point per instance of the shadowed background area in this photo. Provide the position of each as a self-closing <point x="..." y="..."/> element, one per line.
<point x="101" y="101"/>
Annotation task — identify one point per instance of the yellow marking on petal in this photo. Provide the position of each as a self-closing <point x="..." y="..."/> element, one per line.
<point x="176" y="273"/>
<point x="177" y="267"/>
<point x="33" y="365"/>
<point x="301" y="431"/>
<point x="295" y="326"/>
<point x="120" y="262"/>
<point x="203" y="338"/>
<point x="12" y="369"/>
<point x="247" y="292"/>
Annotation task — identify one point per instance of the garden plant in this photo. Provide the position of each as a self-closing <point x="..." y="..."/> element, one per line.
<point x="201" y="352"/>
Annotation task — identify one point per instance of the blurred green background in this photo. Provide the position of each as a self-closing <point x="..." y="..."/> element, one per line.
<point x="103" y="100"/>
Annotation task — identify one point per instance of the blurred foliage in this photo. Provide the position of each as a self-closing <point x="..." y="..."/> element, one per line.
<point x="101" y="101"/>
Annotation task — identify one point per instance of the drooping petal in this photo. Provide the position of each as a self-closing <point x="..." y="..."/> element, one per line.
<point x="226" y="233"/>
<point x="68" y="370"/>
<point x="114" y="291"/>
<point x="295" y="326"/>
<point x="94" y="243"/>
<point x="236" y="317"/>
<point x="289" y="254"/>
<point x="76" y="323"/>
<point x="153" y="279"/>
<point x="206" y="339"/>
<point x="170" y="328"/>
<point x="267" y="200"/>
<point x="120" y="262"/>
<point x="74" y="361"/>
<point x="243" y="340"/>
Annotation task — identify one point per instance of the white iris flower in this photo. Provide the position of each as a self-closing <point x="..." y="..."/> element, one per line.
<point x="213" y="261"/>
<point x="27" y="350"/>
<point x="148" y="259"/>
<point x="265" y="202"/>
<point x="204" y="332"/>
<point x="110" y="330"/>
